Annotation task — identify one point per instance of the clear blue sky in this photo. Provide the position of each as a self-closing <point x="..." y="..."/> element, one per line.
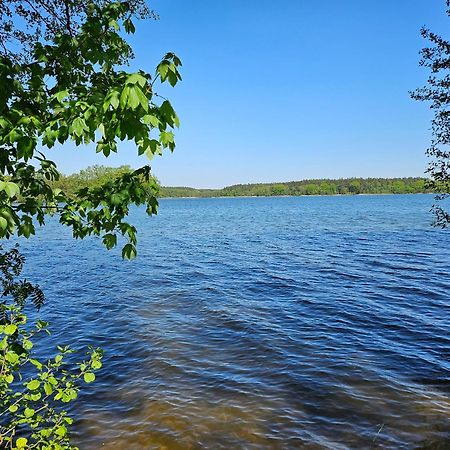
<point x="279" y="91"/>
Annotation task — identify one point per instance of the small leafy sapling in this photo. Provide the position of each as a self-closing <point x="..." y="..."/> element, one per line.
<point x="33" y="392"/>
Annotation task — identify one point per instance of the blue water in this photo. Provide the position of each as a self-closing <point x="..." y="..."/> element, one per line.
<point x="308" y="322"/>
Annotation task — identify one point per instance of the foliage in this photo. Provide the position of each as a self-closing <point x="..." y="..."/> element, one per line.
<point x="62" y="79"/>
<point x="32" y="392"/>
<point x="437" y="91"/>
<point x="45" y="19"/>
<point x="308" y="187"/>
<point x="73" y="88"/>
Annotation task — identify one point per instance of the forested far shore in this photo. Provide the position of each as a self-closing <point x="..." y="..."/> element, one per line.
<point x="308" y="187"/>
<point x="95" y="176"/>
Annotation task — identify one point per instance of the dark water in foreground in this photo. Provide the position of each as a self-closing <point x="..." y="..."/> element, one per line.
<point x="312" y="322"/>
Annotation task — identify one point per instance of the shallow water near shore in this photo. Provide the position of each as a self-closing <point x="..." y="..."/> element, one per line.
<point x="290" y="322"/>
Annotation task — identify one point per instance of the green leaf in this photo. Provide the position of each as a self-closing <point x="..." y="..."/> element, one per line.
<point x="26" y="230"/>
<point x="109" y="240"/>
<point x="33" y="385"/>
<point x="71" y="394"/>
<point x="61" y="95"/>
<point x="129" y="251"/>
<point x="10" y="329"/>
<point x="36" y="397"/>
<point x="3" y="343"/>
<point x="143" y="100"/>
<point x="50" y="137"/>
<point x="11" y="189"/>
<point x="89" y="377"/>
<point x="46" y="432"/>
<point x="21" y="442"/>
<point x="136" y="78"/>
<point x="96" y="365"/>
<point x="24" y="121"/>
<point x="155" y="147"/>
<point x="172" y="76"/>
<point x="133" y="100"/>
<point x="116" y="199"/>
<point x="176" y="121"/>
<point x="113" y="23"/>
<point x="166" y="138"/>
<point x="48" y="389"/>
<point x="149" y="154"/>
<point x="129" y="26"/>
<point x="150" y="120"/>
<point x="124" y="97"/>
<point x="12" y="357"/>
<point x="13" y="408"/>
<point x="112" y="99"/>
<point x="36" y="363"/>
<point x="27" y="344"/>
<point x="29" y="412"/>
<point x="25" y="147"/>
<point x="79" y="126"/>
<point x="176" y="60"/>
<point x="163" y="69"/>
<point x="168" y="113"/>
<point x="61" y="431"/>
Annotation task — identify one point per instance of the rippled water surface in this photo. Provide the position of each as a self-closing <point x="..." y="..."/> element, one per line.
<point x="310" y="322"/>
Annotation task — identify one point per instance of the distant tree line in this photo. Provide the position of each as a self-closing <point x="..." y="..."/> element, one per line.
<point x="95" y="176"/>
<point x="332" y="187"/>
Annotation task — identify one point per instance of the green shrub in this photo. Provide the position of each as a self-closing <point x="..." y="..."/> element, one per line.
<point x="33" y="392"/>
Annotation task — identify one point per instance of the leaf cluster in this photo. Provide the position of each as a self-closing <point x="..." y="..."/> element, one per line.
<point x="436" y="58"/>
<point x="33" y="392"/>
<point x="74" y="89"/>
<point x="25" y="22"/>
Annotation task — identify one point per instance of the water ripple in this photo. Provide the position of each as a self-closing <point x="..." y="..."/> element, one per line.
<point x="318" y="323"/>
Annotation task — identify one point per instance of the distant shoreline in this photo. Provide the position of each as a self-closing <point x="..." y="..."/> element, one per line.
<point x="310" y="187"/>
<point x="288" y="196"/>
<point x="96" y="176"/>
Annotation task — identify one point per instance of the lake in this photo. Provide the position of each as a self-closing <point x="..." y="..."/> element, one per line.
<point x="292" y="322"/>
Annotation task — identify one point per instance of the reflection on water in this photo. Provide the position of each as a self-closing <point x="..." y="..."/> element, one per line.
<point x="261" y="323"/>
